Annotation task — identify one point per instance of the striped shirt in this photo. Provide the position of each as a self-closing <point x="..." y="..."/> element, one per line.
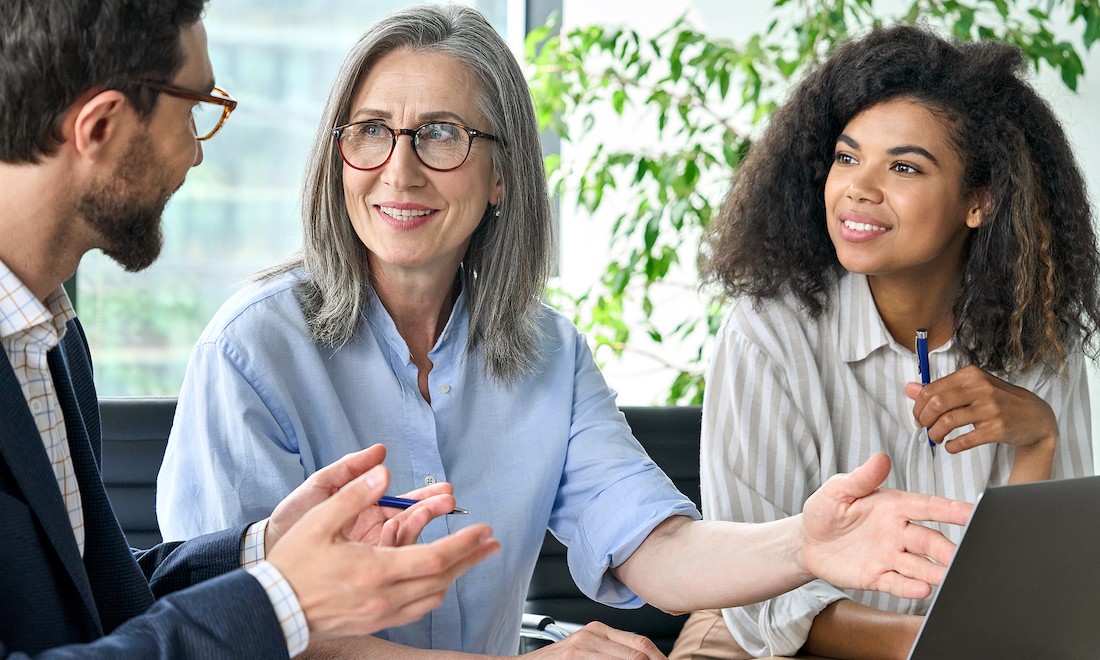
<point x="792" y="400"/>
<point x="29" y="330"/>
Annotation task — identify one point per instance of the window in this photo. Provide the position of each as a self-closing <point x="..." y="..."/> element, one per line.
<point x="238" y="212"/>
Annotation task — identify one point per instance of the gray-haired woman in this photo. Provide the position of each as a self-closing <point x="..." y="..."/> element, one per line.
<point x="413" y="318"/>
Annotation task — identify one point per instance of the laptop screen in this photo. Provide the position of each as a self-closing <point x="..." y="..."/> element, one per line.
<point x="1025" y="579"/>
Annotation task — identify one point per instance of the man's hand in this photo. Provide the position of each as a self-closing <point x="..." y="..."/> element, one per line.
<point x="347" y="587"/>
<point x="860" y="537"/>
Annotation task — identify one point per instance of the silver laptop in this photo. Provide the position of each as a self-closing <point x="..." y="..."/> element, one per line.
<point x="1025" y="580"/>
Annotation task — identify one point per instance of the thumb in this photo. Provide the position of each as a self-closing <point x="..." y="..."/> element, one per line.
<point x="337" y="475"/>
<point x="344" y="506"/>
<point x="863" y="480"/>
<point x="912" y="390"/>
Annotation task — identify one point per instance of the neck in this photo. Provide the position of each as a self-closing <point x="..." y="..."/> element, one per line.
<point x="42" y="245"/>
<point x="909" y="304"/>
<point x="419" y="304"/>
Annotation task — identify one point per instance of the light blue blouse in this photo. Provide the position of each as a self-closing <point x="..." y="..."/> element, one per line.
<point x="263" y="406"/>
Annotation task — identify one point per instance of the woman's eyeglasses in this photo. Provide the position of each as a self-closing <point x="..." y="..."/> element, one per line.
<point x="439" y="145"/>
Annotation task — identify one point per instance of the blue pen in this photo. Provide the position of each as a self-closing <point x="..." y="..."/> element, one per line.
<point x="404" y="503"/>
<point x="925" y="374"/>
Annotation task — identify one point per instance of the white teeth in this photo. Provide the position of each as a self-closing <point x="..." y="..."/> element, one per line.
<point x="402" y="214"/>
<point x="860" y="226"/>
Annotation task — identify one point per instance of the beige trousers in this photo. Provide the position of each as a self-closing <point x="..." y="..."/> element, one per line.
<point x="706" y="637"/>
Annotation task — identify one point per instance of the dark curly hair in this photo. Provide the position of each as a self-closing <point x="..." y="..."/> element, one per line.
<point x="1029" y="289"/>
<point x="52" y="51"/>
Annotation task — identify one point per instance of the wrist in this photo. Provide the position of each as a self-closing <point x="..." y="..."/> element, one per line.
<point x="1034" y="462"/>
<point x="269" y="538"/>
<point x="1041" y="448"/>
<point x="800" y="550"/>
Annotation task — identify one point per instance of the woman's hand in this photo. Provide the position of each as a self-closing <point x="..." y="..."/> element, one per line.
<point x="597" y="640"/>
<point x="860" y="536"/>
<point x="999" y="412"/>
<point x="375" y="525"/>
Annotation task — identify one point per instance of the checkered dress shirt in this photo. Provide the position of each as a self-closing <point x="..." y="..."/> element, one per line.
<point x="29" y="330"/>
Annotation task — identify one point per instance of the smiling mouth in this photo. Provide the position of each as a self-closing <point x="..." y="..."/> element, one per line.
<point x="404" y="214"/>
<point x="862" y="226"/>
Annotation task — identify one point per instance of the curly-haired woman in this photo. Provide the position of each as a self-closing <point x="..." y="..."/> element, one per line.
<point x="909" y="183"/>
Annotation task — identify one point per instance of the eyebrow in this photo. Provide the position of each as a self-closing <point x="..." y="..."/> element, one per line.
<point x="899" y="150"/>
<point x="438" y="115"/>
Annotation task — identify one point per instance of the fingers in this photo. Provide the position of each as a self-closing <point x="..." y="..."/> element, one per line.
<point x="449" y="556"/>
<point x="341" y="510"/>
<point x="346" y="587"/>
<point x="863" y="480"/>
<point x="335" y="476"/>
<point x="466" y="548"/>
<point x="922" y="542"/>
<point x="920" y="569"/>
<point x="439" y="488"/>
<point x="938" y="407"/>
<point x="902" y="586"/>
<point x="418" y="577"/>
<point x="927" y="508"/>
<point x="634" y="642"/>
<point x="404" y="527"/>
<point x="598" y="640"/>
<point x="998" y="411"/>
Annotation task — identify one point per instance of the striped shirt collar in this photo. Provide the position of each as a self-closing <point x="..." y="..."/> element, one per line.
<point x="20" y="310"/>
<point x="862" y="330"/>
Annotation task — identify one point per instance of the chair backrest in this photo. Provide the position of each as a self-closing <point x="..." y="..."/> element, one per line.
<point x="135" y="433"/>
<point x="671" y="437"/>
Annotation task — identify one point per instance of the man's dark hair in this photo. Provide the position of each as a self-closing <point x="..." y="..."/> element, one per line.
<point x="52" y="51"/>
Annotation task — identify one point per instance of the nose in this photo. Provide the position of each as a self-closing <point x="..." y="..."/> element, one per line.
<point x="863" y="186"/>
<point x="403" y="169"/>
<point x="198" y="154"/>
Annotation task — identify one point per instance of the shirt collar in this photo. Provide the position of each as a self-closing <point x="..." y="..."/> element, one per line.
<point x="20" y="310"/>
<point x="455" y="329"/>
<point x="862" y="331"/>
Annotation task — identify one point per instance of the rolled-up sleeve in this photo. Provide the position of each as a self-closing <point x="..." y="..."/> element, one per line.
<point x="611" y="495"/>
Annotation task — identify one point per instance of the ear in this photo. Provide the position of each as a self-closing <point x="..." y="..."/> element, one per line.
<point x="94" y="124"/>
<point x="497" y="192"/>
<point x="974" y="213"/>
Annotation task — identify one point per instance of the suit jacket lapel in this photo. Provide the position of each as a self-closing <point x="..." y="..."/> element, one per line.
<point x="120" y="587"/>
<point x="21" y="448"/>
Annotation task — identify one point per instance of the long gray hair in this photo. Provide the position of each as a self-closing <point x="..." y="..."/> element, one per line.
<point x="510" y="255"/>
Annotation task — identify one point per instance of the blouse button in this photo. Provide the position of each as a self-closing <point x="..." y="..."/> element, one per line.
<point x="445" y="389"/>
<point x="429" y="480"/>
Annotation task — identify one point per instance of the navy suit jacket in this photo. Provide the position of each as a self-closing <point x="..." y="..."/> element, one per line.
<point x="174" y="600"/>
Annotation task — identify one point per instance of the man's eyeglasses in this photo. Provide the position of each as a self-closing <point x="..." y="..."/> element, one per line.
<point x="208" y="115"/>
<point x="440" y="145"/>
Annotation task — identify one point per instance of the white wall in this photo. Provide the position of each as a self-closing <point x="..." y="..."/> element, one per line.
<point x="641" y="381"/>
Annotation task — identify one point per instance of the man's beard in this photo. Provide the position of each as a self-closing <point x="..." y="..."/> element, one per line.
<point x="125" y="208"/>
